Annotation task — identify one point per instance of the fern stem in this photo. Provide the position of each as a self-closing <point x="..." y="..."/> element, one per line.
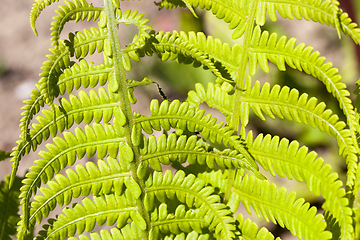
<point x="239" y="87"/>
<point x="240" y="76"/>
<point x="125" y="105"/>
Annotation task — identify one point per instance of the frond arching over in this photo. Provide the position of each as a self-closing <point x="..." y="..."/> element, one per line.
<point x="278" y="206"/>
<point x="283" y="103"/>
<point x="285" y="159"/>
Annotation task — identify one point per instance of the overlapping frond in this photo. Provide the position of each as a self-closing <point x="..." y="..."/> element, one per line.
<point x="286" y="159"/>
<point x="281" y="51"/>
<point x="192" y="192"/>
<point x="182" y="116"/>
<point x="217" y="96"/>
<point x="167" y="149"/>
<point x="278" y="206"/>
<point x="185" y="48"/>
<point x="132" y="232"/>
<point x="75" y="10"/>
<point x="79" y="45"/>
<point x="324" y="12"/>
<point x="283" y="103"/>
<point x="32" y="107"/>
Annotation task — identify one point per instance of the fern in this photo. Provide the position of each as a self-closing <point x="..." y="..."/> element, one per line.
<point x="81" y="110"/>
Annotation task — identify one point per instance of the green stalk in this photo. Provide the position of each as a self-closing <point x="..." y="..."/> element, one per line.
<point x="241" y="73"/>
<point x="125" y="105"/>
<point x="239" y="88"/>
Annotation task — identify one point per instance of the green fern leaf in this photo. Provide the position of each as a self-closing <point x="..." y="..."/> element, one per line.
<point x="100" y="139"/>
<point x="250" y="230"/>
<point x="110" y="209"/>
<point x="106" y="178"/>
<point x="171" y="148"/>
<point x="9" y="205"/>
<point x="285" y="159"/>
<point x="133" y="17"/>
<point x="276" y="205"/>
<point x="95" y="106"/>
<point x="80" y="45"/>
<point x="180" y="221"/>
<point x="36" y="9"/>
<point x="182" y="116"/>
<point x="215" y="95"/>
<point x="128" y="232"/>
<point x="191" y="191"/>
<point x="82" y="74"/>
<point x="324" y="12"/>
<point x="75" y="10"/>
<point x="304" y="59"/>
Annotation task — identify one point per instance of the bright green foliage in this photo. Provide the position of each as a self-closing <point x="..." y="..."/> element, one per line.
<point x="217" y="167"/>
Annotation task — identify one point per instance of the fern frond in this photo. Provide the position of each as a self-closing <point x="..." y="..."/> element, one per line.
<point x="169" y="4"/>
<point x="133" y="17"/>
<point x="167" y="149"/>
<point x="83" y="75"/>
<point x="184" y="49"/>
<point x="282" y="103"/>
<point x="110" y="209"/>
<point x="36" y="9"/>
<point x="105" y="178"/>
<point x="101" y="139"/>
<point x="233" y="14"/>
<point x="278" y="206"/>
<point x="279" y="157"/>
<point x="182" y="116"/>
<point x="281" y="51"/>
<point x="217" y="179"/>
<point x="250" y="230"/>
<point x="9" y="205"/>
<point x="32" y="107"/>
<point x="215" y="95"/>
<point x="182" y="220"/>
<point x="324" y="12"/>
<point x="128" y="232"/>
<point x="80" y="45"/>
<point x="76" y="10"/>
<point x="192" y="192"/>
<point x="95" y="106"/>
